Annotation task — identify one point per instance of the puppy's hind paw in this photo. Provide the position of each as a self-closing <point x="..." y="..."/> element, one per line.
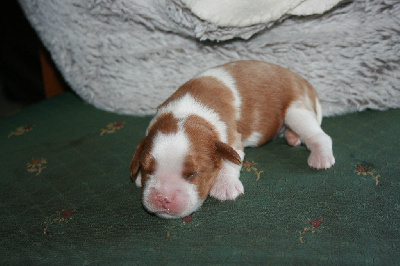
<point x="227" y="188"/>
<point x="292" y="138"/>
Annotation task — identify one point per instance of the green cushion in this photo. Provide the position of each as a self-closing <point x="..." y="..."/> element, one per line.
<point x="67" y="198"/>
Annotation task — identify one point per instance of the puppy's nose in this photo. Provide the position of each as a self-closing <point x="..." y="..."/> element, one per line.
<point x="163" y="202"/>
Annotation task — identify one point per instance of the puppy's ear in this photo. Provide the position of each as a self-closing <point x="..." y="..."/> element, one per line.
<point x="135" y="163"/>
<point x="228" y="153"/>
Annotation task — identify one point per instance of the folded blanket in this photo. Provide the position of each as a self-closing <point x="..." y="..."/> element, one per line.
<point x="240" y="13"/>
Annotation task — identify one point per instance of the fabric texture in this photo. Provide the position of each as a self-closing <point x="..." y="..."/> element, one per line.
<point x="129" y="56"/>
<point x="67" y="198"/>
<point x="242" y="13"/>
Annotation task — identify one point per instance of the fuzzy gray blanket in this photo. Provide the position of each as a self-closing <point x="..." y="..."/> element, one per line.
<point x="129" y="56"/>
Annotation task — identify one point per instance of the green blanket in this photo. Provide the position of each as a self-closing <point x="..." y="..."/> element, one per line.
<point x="67" y="198"/>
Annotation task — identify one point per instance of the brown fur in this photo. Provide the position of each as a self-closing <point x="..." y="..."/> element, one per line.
<point x="205" y="159"/>
<point x="215" y="95"/>
<point x="266" y="90"/>
<point x="206" y="154"/>
<point x="165" y="123"/>
<point x="142" y="160"/>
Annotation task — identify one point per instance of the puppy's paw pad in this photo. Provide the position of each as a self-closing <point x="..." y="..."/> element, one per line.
<point x="227" y="189"/>
<point x="321" y="160"/>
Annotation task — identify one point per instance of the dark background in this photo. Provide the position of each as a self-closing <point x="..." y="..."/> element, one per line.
<point x="21" y="80"/>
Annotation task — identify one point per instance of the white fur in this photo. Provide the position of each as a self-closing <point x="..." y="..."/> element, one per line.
<point x="138" y="180"/>
<point x="187" y="105"/>
<point x="253" y="140"/>
<point x="169" y="148"/>
<point x="225" y="77"/>
<point x="169" y="151"/>
<point x="319" y="111"/>
<point x="192" y="199"/>
<point x="228" y="186"/>
<point x="306" y="125"/>
<point x="302" y="121"/>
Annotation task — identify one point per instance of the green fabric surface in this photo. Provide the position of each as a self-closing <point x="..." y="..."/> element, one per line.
<point x="67" y="198"/>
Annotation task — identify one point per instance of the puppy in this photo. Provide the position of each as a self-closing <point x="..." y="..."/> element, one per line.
<point x="194" y="145"/>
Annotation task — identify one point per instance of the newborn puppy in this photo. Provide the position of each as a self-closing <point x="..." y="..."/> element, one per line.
<point x="194" y="145"/>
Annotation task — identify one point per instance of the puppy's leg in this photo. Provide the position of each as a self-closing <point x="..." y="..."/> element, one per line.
<point x="292" y="138"/>
<point x="228" y="186"/>
<point x="304" y="123"/>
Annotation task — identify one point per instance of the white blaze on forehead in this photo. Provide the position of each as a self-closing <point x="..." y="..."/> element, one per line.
<point x="170" y="150"/>
<point x="187" y="105"/>
<point x="225" y="77"/>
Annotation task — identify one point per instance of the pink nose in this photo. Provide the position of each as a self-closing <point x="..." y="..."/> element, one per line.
<point x="167" y="201"/>
<point x="163" y="202"/>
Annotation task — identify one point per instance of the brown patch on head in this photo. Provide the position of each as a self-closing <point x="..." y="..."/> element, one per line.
<point x="215" y="95"/>
<point x="142" y="159"/>
<point x="164" y="123"/>
<point x="203" y="161"/>
<point x="148" y="164"/>
<point x="135" y="163"/>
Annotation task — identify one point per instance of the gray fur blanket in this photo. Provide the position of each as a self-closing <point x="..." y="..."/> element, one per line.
<point x="129" y="56"/>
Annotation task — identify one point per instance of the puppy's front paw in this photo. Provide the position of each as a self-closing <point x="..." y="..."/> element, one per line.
<point x="321" y="160"/>
<point x="227" y="188"/>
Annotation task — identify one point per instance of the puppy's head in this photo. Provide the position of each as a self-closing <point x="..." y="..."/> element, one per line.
<point x="177" y="164"/>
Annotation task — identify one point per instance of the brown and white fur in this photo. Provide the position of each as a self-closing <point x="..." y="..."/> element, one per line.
<point x="194" y="145"/>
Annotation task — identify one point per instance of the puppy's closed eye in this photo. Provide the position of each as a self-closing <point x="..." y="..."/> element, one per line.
<point x="191" y="175"/>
